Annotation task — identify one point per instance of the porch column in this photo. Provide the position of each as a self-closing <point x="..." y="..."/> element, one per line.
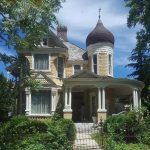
<point x="99" y="99"/>
<point x="66" y="97"/>
<point x="70" y="97"/>
<point x="101" y="112"/>
<point x="52" y="102"/>
<point x="28" y="100"/>
<point x="103" y="99"/>
<point x="139" y="101"/>
<point x="67" y="108"/>
<point x="135" y="98"/>
<point x="53" y="99"/>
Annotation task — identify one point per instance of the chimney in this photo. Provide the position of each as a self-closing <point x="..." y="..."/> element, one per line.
<point x="62" y="32"/>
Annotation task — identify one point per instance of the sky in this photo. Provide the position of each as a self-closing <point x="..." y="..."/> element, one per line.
<point x="81" y="16"/>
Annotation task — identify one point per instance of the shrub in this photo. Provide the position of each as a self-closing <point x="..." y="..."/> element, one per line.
<point x="67" y="126"/>
<point x="126" y="127"/>
<point x="22" y="133"/>
<point x="123" y="146"/>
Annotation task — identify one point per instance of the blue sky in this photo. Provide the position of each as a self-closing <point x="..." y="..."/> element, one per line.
<point x="80" y="16"/>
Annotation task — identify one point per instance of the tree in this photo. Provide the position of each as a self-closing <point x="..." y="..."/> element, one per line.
<point x="140" y="56"/>
<point x="7" y="97"/>
<point x="24" y="22"/>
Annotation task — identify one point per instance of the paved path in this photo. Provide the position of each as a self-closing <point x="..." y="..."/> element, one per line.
<point x="83" y="138"/>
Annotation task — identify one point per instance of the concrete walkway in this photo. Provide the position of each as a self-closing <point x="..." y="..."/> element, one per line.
<point x="84" y="140"/>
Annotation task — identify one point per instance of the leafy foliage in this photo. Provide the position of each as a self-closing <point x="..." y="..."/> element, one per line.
<point x="7" y="97"/>
<point x="140" y="57"/>
<point x="23" y="23"/>
<point x="126" y="127"/>
<point x="130" y="128"/>
<point x="22" y="133"/>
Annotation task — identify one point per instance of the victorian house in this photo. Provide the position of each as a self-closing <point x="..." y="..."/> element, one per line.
<point x="80" y="79"/>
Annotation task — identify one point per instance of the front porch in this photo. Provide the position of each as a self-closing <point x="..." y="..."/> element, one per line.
<point x="91" y="95"/>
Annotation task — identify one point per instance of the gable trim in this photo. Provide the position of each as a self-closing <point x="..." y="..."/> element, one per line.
<point x="52" y="83"/>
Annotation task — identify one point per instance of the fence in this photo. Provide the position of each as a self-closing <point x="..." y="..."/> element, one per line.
<point x="89" y="136"/>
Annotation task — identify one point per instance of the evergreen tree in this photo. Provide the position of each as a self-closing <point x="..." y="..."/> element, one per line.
<point x="8" y="95"/>
<point x="140" y="56"/>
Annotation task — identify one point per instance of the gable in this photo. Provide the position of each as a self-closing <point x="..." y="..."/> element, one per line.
<point x="44" y="79"/>
<point x="85" y="74"/>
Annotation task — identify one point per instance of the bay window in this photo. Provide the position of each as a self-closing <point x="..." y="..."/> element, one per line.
<point x="40" y="102"/>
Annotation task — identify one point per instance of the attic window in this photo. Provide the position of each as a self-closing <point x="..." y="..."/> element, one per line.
<point x="45" y="42"/>
<point x="77" y="68"/>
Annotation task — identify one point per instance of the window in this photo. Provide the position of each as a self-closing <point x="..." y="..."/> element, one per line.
<point x="41" y="61"/>
<point x="95" y="63"/>
<point x="60" y="66"/>
<point x="45" y="42"/>
<point x="40" y="102"/>
<point x="110" y="64"/>
<point x="77" y="68"/>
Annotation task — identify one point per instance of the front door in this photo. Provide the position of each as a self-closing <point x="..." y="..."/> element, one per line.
<point x="77" y="106"/>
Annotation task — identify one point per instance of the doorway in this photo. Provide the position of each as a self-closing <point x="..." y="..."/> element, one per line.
<point x="78" y="106"/>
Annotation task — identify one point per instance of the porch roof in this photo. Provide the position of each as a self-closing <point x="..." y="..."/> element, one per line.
<point x="86" y="77"/>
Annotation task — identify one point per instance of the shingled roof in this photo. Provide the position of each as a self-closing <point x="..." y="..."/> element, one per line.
<point x="75" y="53"/>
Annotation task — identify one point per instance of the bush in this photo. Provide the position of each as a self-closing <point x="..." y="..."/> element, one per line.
<point x="122" y="146"/>
<point x="66" y="125"/>
<point x="22" y="133"/>
<point x="126" y="127"/>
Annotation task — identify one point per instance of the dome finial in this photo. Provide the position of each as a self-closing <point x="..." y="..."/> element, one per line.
<point x="99" y="13"/>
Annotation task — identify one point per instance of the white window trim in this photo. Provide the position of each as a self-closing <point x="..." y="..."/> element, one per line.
<point x="36" y="114"/>
<point x="63" y="67"/>
<point x="92" y="67"/>
<point x="73" y="68"/>
<point x="49" y="69"/>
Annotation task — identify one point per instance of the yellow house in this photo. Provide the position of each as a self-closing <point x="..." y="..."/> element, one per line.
<point x="81" y="80"/>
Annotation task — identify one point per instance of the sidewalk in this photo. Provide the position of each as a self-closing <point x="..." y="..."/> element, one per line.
<point x="84" y="140"/>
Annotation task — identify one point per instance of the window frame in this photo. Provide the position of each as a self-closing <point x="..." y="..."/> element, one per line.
<point x="49" y="62"/>
<point x="46" y="42"/>
<point x="110" y="64"/>
<point x="93" y="64"/>
<point x="81" y="68"/>
<point x="50" y="103"/>
<point x="62" y="67"/>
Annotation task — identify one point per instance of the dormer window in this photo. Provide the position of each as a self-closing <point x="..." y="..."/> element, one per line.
<point x="41" y="61"/>
<point x="95" y="64"/>
<point x="45" y="42"/>
<point x="77" y="68"/>
<point x="60" y="67"/>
